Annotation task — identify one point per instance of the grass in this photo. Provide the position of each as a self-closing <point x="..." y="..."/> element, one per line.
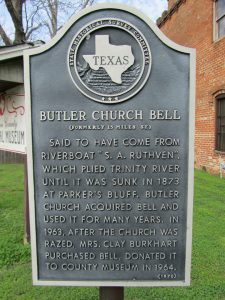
<point x="208" y="263"/>
<point x="12" y="249"/>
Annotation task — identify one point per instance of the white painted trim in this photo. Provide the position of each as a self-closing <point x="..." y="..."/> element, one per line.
<point x="170" y="44"/>
<point x="112" y="283"/>
<point x="12" y="151"/>
<point x="11" y="52"/>
<point x="215" y="31"/>
<point x="216" y="37"/>
<point x="30" y="169"/>
<point x="190" y="191"/>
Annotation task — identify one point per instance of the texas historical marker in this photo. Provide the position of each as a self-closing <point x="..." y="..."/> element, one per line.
<point x="111" y="114"/>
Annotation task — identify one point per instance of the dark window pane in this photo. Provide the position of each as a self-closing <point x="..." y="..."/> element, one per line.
<point x="220" y="8"/>
<point x="221" y="27"/>
<point x="220" y="140"/>
<point x="223" y="142"/>
<point x="222" y="107"/>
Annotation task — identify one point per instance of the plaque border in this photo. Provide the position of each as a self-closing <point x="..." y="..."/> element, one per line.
<point x="122" y="283"/>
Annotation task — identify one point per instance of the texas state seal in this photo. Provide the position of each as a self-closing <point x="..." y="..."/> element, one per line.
<point x="109" y="60"/>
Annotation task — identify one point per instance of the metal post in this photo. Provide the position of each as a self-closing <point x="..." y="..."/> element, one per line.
<point x="111" y="293"/>
<point x="26" y="238"/>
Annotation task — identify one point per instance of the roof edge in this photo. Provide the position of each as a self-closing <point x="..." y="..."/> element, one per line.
<point x="14" y="51"/>
<point x="165" y="16"/>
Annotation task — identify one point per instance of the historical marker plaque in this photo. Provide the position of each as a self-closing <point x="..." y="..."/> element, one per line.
<point x="111" y="153"/>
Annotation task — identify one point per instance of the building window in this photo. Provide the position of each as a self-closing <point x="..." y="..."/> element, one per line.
<point x="220" y="141"/>
<point x="220" y="18"/>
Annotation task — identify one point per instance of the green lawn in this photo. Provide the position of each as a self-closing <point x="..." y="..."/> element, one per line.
<point x="208" y="263"/>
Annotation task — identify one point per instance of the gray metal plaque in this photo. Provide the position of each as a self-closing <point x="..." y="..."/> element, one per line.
<point x="111" y="116"/>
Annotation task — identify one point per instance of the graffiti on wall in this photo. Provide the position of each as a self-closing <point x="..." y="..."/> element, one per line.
<point x="12" y="120"/>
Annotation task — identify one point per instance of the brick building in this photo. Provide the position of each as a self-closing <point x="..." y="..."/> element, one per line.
<point x="201" y="25"/>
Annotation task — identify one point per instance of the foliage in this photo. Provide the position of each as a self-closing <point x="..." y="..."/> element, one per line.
<point x="163" y="16"/>
<point x="208" y="272"/>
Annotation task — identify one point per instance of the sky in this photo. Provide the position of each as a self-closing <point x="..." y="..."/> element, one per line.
<point x="152" y="8"/>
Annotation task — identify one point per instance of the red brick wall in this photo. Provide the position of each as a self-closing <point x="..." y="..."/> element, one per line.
<point x="191" y="25"/>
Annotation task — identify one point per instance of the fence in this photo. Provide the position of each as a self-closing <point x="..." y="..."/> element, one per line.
<point x="11" y="157"/>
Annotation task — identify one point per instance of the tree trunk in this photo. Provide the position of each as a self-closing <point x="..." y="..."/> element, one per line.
<point x="15" y="9"/>
<point x="53" y="8"/>
<point x="5" y="37"/>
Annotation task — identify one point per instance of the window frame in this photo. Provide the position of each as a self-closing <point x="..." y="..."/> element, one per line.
<point x="216" y="22"/>
<point x="219" y="99"/>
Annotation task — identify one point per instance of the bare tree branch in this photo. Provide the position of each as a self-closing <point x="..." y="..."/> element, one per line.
<point x="46" y="24"/>
<point x="29" y="32"/>
<point x="26" y="17"/>
<point x="4" y="36"/>
<point x="86" y="3"/>
<point x="29" y="17"/>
